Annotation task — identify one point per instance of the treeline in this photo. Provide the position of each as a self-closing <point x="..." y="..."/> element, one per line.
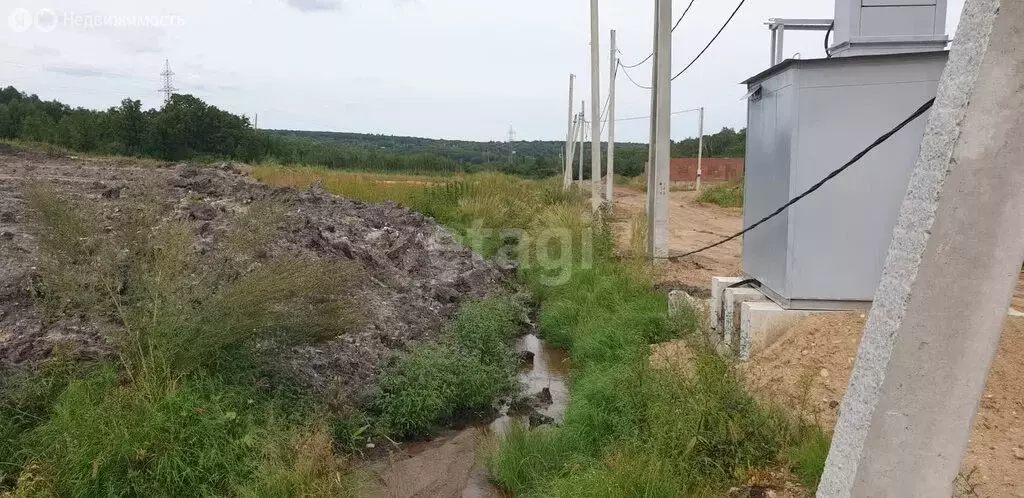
<point x="186" y="128"/>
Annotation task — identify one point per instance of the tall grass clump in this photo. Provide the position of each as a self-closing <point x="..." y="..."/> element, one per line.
<point x="463" y="374"/>
<point x="725" y="195"/>
<point x="186" y="409"/>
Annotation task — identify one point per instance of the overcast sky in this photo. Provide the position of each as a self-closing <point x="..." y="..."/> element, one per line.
<point x="461" y="69"/>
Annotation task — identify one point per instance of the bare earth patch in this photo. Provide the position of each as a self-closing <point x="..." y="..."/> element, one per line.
<point x="691" y="225"/>
<point x="809" y="368"/>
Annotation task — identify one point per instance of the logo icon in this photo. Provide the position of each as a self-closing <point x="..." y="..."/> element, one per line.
<point x="46" y="20"/>
<point x="20" y="20"/>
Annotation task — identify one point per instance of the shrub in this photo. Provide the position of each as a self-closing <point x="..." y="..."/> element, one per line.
<point x="725" y="195"/>
<point x="464" y="374"/>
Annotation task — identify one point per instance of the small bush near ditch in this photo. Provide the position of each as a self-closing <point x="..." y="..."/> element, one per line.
<point x="725" y="195"/>
<point x="465" y="373"/>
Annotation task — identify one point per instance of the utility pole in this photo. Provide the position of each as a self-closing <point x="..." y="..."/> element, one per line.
<point x="661" y="103"/>
<point x="583" y="126"/>
<point x="570" y="132"/>
<point x="610" y="170"/>
<point x="700" y="147"/>
<point x="595" y="109"/>
<point x="168" y="88"/>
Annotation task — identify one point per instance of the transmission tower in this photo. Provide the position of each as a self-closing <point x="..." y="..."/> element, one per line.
<point x="168" y="88"/>
<point x="511" y="151"/>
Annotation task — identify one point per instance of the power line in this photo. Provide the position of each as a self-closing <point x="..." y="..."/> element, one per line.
<point x="676" y="25"/>
<point x="706" y="47"/>
<point x="636" y="118"/>
<point x="879" y="141"/>
<point x="630" y="78"/>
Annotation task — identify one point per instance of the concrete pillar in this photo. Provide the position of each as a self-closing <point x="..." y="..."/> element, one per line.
<point x="734" y="298"/>
<point x="948" y="279"/>
<point x="658" y="177"/>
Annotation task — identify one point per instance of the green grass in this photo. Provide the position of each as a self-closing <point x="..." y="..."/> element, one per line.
<point x="808" y="457"/>
<point x="725" y="195"/>
<point x="631" y="430"/>
<point x="462" y="375"/>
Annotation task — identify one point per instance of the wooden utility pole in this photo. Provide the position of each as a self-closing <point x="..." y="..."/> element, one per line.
<point x="610" y="170"/>
<point x="570" y="131"/>
<point x="661" y="104"/>
<point x="700" y="148"/>
<point x="595" y="109"/>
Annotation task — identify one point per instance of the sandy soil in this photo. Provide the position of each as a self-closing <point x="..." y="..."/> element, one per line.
<point x="691" y="226"/>
<point x="809" y="367"/>
<point x="1018" y="295"/>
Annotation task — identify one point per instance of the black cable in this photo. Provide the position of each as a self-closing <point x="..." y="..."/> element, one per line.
<point x="923" y="109"/>
<point x="673" y="30"/>
<point x="630" y="78"/>
<point x="752" y="282"/>
<point x="706" y="47"/>
<point x="829" y="32"/>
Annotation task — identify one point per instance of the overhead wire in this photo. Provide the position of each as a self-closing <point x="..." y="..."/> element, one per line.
<point x="676" y="25"/>
<point x="706" y="47"/>
<point x="879" y="141"/>
<point x="630" y="78"/>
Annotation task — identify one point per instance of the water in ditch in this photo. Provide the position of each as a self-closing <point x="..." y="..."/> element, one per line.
<point x="449" y="465"/>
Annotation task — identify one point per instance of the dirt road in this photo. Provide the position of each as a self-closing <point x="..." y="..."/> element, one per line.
<point x="691" y="225"/>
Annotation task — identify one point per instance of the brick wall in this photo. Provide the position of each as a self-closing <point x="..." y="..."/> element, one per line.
<point x="713" y="169"/>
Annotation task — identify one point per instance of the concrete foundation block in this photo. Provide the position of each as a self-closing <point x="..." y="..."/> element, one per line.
<point x="715" y="310"/>
<point x="761" y="323"/>
<point x="731" y="302"/>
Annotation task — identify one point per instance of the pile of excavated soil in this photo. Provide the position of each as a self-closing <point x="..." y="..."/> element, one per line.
<point x="809" y="367"/>
<point x="418" y="272"/>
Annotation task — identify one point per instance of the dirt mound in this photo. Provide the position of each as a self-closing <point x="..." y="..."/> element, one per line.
<point x="808" y="369"/>
<point x="418" y="272"/>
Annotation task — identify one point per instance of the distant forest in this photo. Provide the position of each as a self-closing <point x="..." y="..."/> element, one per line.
<point x="188" y="128"/>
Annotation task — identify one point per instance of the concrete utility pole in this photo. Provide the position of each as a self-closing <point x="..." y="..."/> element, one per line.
<point x="661" y="103"/>
<point x="700" y="147"/>
<point x="952" y="265"/>
<point x="567" y="166"/>
<point x="595" y="109"/>
<point x="610" y="170"/>
<point x="583" y="130"/>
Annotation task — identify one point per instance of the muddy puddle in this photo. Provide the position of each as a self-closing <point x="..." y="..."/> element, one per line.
<point x="450" y="465"/>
